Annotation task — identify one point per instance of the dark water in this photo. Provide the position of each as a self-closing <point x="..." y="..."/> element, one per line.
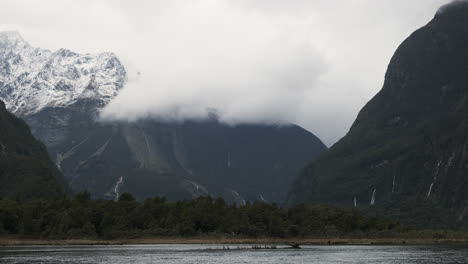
<point x="206" y="254"/>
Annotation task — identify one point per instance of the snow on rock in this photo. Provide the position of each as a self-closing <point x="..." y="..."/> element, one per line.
<point x="32" y="79"/>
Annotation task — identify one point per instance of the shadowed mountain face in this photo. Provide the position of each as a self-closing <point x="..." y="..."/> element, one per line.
<point x="177" y="160"/>
<point x="406" y="155"/>
<point x="26" y="171"/>
<point x="60" y="94"/>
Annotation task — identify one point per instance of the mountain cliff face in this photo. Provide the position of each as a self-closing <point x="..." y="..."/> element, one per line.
<point x="178" y="160"/>
<point x="25" y="168"/>
<point x="60" y="94"/>
<point x="406" y="155"/>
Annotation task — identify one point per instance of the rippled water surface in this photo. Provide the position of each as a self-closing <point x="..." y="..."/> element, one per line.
<point x="206" y="254"/>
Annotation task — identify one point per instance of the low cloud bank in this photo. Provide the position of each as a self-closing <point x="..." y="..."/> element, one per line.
<point x="313" y="63"/>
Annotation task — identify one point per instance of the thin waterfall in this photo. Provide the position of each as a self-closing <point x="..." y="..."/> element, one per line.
<point x="430" y="190"/>
<point x="117" y="188"/>
<point x="372" y="202"/>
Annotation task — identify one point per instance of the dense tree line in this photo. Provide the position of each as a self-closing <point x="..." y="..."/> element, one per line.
<point x="82" y="217"/>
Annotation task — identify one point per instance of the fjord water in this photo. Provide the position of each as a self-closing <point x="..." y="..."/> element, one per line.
<point x="207" y="254"/>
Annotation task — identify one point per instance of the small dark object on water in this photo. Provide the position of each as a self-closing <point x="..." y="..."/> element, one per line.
<point x="295" y="246"/>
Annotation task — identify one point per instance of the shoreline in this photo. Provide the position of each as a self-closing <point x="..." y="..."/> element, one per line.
<point x="228" y="241"/>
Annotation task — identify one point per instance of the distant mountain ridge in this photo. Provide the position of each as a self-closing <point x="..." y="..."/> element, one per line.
<point x="60" y="94"/>
<point x="406" y="154"/>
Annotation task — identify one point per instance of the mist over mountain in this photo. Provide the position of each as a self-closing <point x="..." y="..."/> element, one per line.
<point x="406" y="154"/>
<point x="61" y="95"/>
<point x="255" y="61"/>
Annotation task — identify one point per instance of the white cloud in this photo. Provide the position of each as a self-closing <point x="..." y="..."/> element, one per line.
<point x="314" y="63"/>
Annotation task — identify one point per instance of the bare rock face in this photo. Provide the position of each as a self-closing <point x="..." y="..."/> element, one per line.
<point x="406" y="155"/>
<point x="60" y="94"/>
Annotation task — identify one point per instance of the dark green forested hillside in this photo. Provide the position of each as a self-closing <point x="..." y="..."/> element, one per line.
<point x="26" y="171"/>
<point x="406" y="155"/>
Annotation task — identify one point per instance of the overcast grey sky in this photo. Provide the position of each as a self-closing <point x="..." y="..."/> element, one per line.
<point x="310" y="62"/>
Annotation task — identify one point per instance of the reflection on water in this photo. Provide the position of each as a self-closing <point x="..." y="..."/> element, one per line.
<point x="207" y="254"/>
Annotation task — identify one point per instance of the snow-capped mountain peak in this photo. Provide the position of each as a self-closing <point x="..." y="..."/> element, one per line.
<point x="32" y="79"/>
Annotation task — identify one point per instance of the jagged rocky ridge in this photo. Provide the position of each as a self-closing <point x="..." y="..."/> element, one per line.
<point x="60" y="94"/>
<point x="406" y="155"/>
<point x="32" y="79"/>
<point x="26" y="172"/>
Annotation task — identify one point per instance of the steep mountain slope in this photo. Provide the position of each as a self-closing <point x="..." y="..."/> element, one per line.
<point x="25" y="168"/>
<point x="177" y="160"/>
<point x="60" y="94"/>
<point x="406" y="155"/>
